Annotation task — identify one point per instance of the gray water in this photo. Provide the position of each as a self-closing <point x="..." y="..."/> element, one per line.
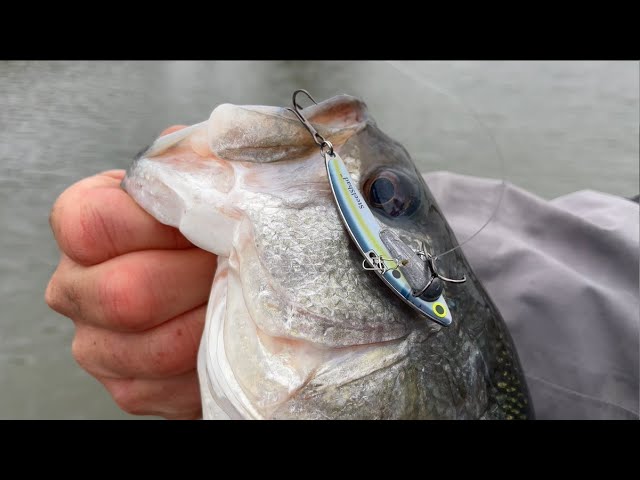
<point x="560" y="127"/>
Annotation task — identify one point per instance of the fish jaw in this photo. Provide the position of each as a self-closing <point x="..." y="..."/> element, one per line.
<point x="187" y="187"/>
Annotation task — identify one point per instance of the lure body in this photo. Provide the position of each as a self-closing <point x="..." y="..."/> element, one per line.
<point x="392" y="260"/>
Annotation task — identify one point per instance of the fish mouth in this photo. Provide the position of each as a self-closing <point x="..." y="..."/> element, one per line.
<point x="182" y="185"/>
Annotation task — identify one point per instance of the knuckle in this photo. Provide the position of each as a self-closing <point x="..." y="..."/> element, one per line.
<point x="61" y="295"/>
<point x="128" y="397"/>
<point x="60" y="207"/>
<point x="73" y="234"/>
<point x="125" y="306"/>
<point x="80" y="352"/>
<point x="51" y="295"/>
<point x="54" y="215"/>
<point x="79" y="224"/>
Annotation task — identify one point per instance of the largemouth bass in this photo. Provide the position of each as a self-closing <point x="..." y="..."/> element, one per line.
<point x="295" y="327"/>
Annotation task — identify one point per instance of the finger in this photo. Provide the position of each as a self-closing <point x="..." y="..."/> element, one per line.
<point x="171" y="129"/>
<point x="115" y="174"/>
<point x="174" y="398"/>
<point x="135" y="291"/>
<point x="61" y="294"/>
<point x="167" y="350"/>
<point x="95" y="220"/>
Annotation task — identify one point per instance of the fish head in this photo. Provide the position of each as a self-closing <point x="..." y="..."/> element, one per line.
<point x="296" y="328"/>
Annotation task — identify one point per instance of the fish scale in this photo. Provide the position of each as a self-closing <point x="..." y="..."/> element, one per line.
<point x="315" y="237"/>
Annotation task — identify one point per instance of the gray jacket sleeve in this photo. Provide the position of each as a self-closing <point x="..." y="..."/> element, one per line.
<point x="564" y="274"/>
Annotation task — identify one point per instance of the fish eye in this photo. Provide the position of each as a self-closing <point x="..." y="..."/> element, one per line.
<point x="394" y="193"/>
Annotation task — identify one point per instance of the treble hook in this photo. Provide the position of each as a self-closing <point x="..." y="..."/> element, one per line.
<point x="319" y="139"/>
<point x="431" y="261"/>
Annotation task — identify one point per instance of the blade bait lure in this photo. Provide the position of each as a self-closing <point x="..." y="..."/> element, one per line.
<point x="410" y="274"/>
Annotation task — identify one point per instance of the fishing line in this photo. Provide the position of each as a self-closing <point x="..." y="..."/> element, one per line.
<point x="425" y="83"/>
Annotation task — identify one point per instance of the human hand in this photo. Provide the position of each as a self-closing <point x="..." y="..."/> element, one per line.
<point x="136" y="291"/>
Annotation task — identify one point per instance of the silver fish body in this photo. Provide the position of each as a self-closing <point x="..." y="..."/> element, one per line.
<point x="295" y="327"/>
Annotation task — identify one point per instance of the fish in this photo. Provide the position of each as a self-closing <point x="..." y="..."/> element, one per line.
<point x="295" y="327"/>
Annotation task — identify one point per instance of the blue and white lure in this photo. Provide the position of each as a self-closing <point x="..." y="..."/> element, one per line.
<point x="411" y="275"/>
